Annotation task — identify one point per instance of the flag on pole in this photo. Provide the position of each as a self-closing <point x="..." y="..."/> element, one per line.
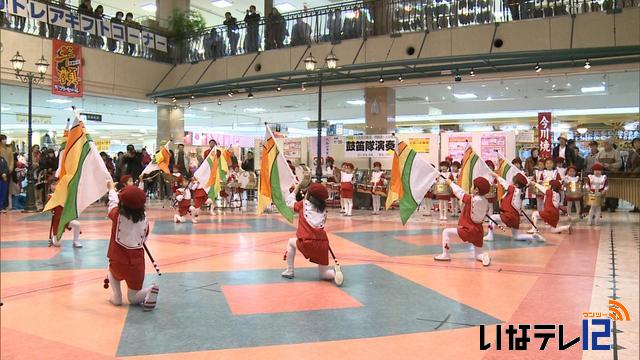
<point x="506" y="171"/>
<point x="83" y="176"/>
<point x="63" y="144"/>
<point x="276" y="178"/>
<point x="213" y="172"/>
<point x="160" y="161"/>
<point x="411" y="178"/>
<point x="472" y="167"/>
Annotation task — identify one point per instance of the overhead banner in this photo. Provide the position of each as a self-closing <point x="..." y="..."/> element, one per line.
<point x="369" y="146"/>
<point x="66" y="75"/>
<point x="544" y="134"/>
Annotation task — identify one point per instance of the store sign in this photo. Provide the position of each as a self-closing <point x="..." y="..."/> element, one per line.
<point x="314" y="124"/>
<point x="292" y="149"/>
<point x="35" y="119"/>
<point x="102" y="144"/>
<point x="420" y="145"/>
<point x="66" y="77"/>
<point x="544" y="134"/>
<point x="525" y="136"/>
<point x="91" y="117"/>
<point x="369" y="146"/>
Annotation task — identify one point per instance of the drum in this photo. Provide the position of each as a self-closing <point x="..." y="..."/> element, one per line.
<point x="442" y="188"/>
<point x="593" y="199"/>
<point x="248" y="180"/>
<point x="546" y="187"/>
<point x="332" y="186"/>
<point x="573" y="190"/>
<point x="379" y="190"/>
<point x="303" y="173"/>
<point x="364" y="188"/>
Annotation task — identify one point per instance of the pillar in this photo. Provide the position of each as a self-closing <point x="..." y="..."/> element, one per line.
<point x="380" y="110"/>
<point x="164" y="8"/>
<point x="170" y="125"/>
<point x="268" y="5"/>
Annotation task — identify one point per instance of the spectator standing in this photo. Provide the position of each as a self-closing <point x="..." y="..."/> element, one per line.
<point x="118" y="163"/>
<point x="96" y="40"/>
<point x="112" y="45"/>
<point x="6" y="152"/>
<point x="353" y="26"/>
<point x="212" y="144"/>
<point x="579" y="161"/>
<point x="611" y="161"/>
<point x="108" y="163"/>
<point x="633" y="161"/>
<point x="276" y="30"/>
<point x="4" y="183"/>
<point x="132" y="162"/>
<point x="592" y="157"/>
<point x="182" y="161"/>
<point x="172" y="161"/>
<point x="213" y="45"/>
<point x="334" y="25"/>
<point x="146" y="158"/>
<point x="252" y="38"/>
<point x="130" y="48"/>
<point x="85" y="7"/>
<point x="531" y="162"/>
<point x="60" y="32"/>
<point x="247" y="164"/>
<point x="232" y="32"/>
<point x="301" y="33"/>
<point x="563" y="151"/>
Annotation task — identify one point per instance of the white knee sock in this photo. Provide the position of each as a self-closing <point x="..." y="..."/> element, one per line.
<point x="534" y="218"/>
<point x="291" y="253"/>
<point x="115" y="289"/>
<point x="136" y="297"/>
<point x="521" y="236"/>
<point x="376" y="203"/>
<point x="348" y="206"/>
<point x="596" y="217"/>
<point x="428" y="205"/>
<point x="75" y="227"/>
<point x="540" y="204"/>
<point x="326" y="272"/>
<point x="442" y="206"/>
<point x="446" y="235"/>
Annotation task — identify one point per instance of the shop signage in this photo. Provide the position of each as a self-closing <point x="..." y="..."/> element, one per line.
<point x="314" y="124"/>
<point x="457" y="145"/>
<point x="92" y="117"/>
<point x="420" y="145"/>
<point x="525" y="136"/>
<point x="66" y="76"/>
<point x="292" y="149"/>
<point x="369" y="146"/>
<point x="35" y="119"/>
<point x="491" y="145"/>
<point x="102" y="144"/>
<point x="544" y="134"/>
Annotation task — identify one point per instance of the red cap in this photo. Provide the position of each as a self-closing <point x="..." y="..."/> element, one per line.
<point x="555" y="184"/>
<point x="132" y="197"/>
<point x="330" y="159"/>
<point x="490" y="164"/>
<point x="234" y="166"/>
<point x="597" y="166"/>
<point x="124" y="179"/>
<point x="516" y="160"/>
<point x="444" y="163"/>
<point x="449" y="158"/>
<point x="377" y="164"/>
<point x="318" y="191"/>
<point x="520" y="179"/>
<point x="482" y="184"/>
<point x="572" y="167"/>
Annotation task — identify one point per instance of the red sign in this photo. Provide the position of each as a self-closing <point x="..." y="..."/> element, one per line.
<point x="66" y="76"/>
<point x="544" y="134"/>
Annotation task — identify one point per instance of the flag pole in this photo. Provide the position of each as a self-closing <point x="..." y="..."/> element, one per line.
<point x="277" y="147"/>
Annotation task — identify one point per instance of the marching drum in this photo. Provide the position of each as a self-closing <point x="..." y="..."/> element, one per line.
<point x="593" y="199"/>
<point x="546" y="187"/>
<point x="573" y="190"/>
<point x="364" y="188"/>
<point x="379" y="190"/>
<point x="442" y="188"/>
<point x="248" y="180"/>
<point x="303" y="173"/>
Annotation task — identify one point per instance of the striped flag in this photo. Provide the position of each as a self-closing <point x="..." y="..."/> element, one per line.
<point x="506" y="171"/>
<point x="276" y="178"/>
<point x="472" y="167"/>
<point x="160" y="161"/>
<point x="83" y="176"/>
<point x="411" y="178"/>
<point x="213" y="172"/>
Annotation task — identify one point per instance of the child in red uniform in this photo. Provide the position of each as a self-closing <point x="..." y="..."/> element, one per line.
<point x="597" y="183"/>
<point x="125" y="180"/>
<point x="56" y="212"/>
<point x="573" y="199"/>
<point x="470" y="223"/>
<point x="443" y="199"/>
<point x="510" y="208"/>
<point x="311" y="238"/>
<point x="378" y="184"/>
<point x="200" y="198"/>
<point x="551" y="210"/>
<point x="129" y="231"/>
<point x="346" y="188"/>
<point x="183" y="197"/>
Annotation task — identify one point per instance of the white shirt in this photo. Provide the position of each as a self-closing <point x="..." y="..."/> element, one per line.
<point x="479" y="204"/>
<point x="598" y="183"/>
<point x="562" y="152"/>
<point x="376" y="176"/>
<point x="346" y="177"/>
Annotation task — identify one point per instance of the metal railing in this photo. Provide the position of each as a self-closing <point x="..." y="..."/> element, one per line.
<point x="334" y="23"/>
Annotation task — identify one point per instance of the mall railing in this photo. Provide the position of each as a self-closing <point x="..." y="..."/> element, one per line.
<point x="334" y="23"/>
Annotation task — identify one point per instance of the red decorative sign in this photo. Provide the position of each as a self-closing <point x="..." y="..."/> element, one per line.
<point x="66" y="76"/>
<point x="544" y="134"/>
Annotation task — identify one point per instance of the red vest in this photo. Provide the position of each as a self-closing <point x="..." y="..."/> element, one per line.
<point x="508" y="214"/>
<point x="550" y="214"/>
<point x="467" y="229"/>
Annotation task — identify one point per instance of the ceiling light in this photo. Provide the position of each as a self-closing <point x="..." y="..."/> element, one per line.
<point x="465" y="96"/>
<point x="489" y="98"/>
<point x="250" y="95"/>
<point x="568" y="84"/>
<point x="538" y="68"/>
<point x="582" y="129"/>
<point x="400" y="79"/>
<point x="457" y="76"/>
<point x="279" y="88"/>
<point x="592" y="89"/>
<point x="173" y="99"/>
<point x="381" y="80"/>
<point x="426" y="98"/>
<point x="285" y="7"/>
<point x="5" y="108"/>
<point x="193" y="97"/>
<point x="204" y="108"/>
<point x="149" y="7"/>
<point x="553" y="86"/>
<point x="472" y="72"/>
<point x="230" y="93"/>
<point x="310" y="62"/>
<point x="449" y="87"/>
<point x="144" y="110"/>
<point x="155" y="100"/>
<point x="331" y="60"/>
<point x="219" y="103"/>
<point x="356" y="102"/>
<point x="59" y="101"/>
<point x="221" y="3"/>
<point x="175" y="107"/>
<point x="587" y="65"/>
<point x="255" y="110"/>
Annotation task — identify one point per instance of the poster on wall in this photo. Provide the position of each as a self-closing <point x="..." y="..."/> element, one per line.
<point x="369" y="146"/>
<point x="292" y="149"/>
<point x="197" y="139"/>
<point x="457" y="146"/>
<point x="491" y="145"/>
<point x="325" y="146"/>
<point x="544" y="134"/>
<point x="419" y="145"/>
<point x="525" y="136"/>
<point x="66" y="72"/>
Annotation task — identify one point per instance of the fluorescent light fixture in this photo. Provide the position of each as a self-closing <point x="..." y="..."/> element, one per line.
<point x="71" y="109"/>
<point x="255" y="110"/>
<point x="285" y="7"/>
<point x="5" y="108"/>
<point x="465" y="96"/>
<point x="632" y="126"/>
<point x="489" y="98"/>
<point x="592" y="89"/>
<point x="306" y="118"/>
<point x="190" y="115"/>
<point x="105" y="137"/>
<point x="149" y="7"/>
<point x="221" y="3"/>
<point x="144" y="110"/>
<point x="356" y="102"/>
<point x="58" y="101"/>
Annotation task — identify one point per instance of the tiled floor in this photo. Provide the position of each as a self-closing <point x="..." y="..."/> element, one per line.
<point x="222" y="297"/>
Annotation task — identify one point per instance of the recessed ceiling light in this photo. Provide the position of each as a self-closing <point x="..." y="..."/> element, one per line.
<point x="448" y="87"/>
<point x="204" y="108"/>
<point x="59" y="101"/>
<point x="356" y="102"/>
<point x="149" y="7"/>
<point x="538" y="68"/>
<point x="426" y="98"/>
<point x="306" y="118"/>
<point x="255" y="110"/>
<point x="568" y="84"/>
<point x="72" y="109"/>
<point x="144" y="110"/>
<point x="221" y="3"/>
<point x="591" y="89"/>
<point x="489" y="98"/>
<point x="465" y="96"/>
<point x="285" y="7"/>
<point x="587" y="65"/>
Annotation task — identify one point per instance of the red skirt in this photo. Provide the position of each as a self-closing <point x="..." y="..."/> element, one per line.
<point x="471" y="233"/>
<point x="199" y="198"/>
<point x="133" y="274"/>
<point x="346" y="190"/>
<point x="317" y="251"/>
<point x="550" y="216"/>
<point x="183" y="207"/>
<point x="511" y="218"/>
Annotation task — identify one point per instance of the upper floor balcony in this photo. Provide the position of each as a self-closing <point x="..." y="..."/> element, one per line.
<point x="330" y="24"/>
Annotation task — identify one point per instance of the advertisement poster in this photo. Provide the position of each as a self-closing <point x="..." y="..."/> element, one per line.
<point x="102" y="144"/>
<point x="66" y="72"/>
<point x="457" y="146"/>
<point x="491" y="145"/>
<point x="525" y="136"/>
<point x="419" y="145"/>
<point x="544" y="134"/>
<point x="292" y="149"/>
<point x="369" y="146"/>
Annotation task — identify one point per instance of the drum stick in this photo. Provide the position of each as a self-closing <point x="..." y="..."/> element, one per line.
<point x="153" y="261"/>
<point x="495" y="222"/>
<point x="338" y="277"/>
<point x="527" y="216"/>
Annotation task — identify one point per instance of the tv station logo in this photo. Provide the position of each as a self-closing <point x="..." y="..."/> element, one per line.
<point x="596" y="329"/>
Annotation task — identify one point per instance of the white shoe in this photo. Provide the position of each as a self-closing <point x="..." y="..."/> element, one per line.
<point x="77" y="244"/>
<point x="151" y="298"/>
<point x="194" y="220"/>
<point x="485" y="258"/>
<point x="442" y="257"/>
<point x="176" y="218"/>
<point x="539" y="237"/>
<point x="288" y="274"/>
<point x="532" y="230"/>
<point x="54" y="242"/>
<point x="488" y="238"/>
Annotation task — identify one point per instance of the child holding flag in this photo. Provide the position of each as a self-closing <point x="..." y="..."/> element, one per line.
<point x="200" y="198"/>
<point x="56" y="212"/>
<point x="470" y="223"/>
<point x="183" y="198"/>
<point x="551" y="208"/>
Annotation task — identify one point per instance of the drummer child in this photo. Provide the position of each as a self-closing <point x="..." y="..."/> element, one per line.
<point x="442" y="196"/>
<point x="346" y="188"/>
<point x="597" y="184"/>
<point x="311" y="238"/>
<point x="378" y="184"/>
<point x="544" y="177"/>
<point x="573" y="198"/>
<point x="455" y="204"/>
